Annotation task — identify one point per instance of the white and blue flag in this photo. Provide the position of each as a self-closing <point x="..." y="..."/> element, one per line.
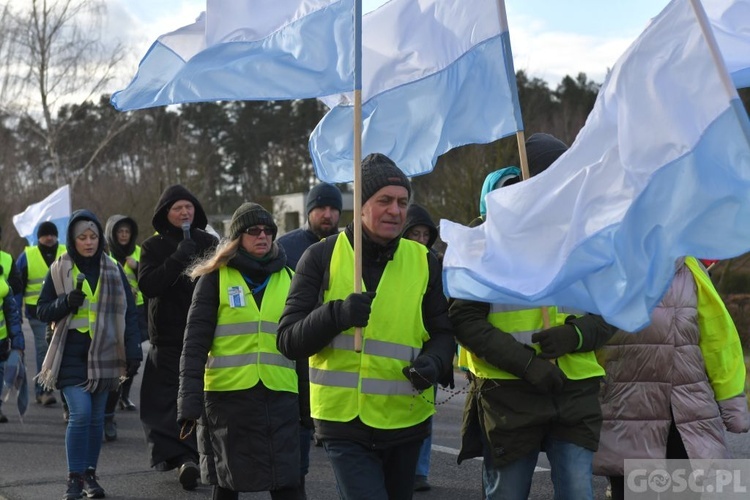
<point x="54" y="208"/>
<point x="436" y="74"/>
<point x="249" y="50"/>
<point x="660" y="170"/>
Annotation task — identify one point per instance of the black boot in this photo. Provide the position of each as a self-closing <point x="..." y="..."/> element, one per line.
<point x="92" y="488"/>
<point x="125" y="402"/>
<point x="110" y="428"/>
<point x="75" y="487"/>
<point x="220" y="493"/>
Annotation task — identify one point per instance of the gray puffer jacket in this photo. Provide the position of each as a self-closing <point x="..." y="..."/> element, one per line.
<point x="659" y="375"/>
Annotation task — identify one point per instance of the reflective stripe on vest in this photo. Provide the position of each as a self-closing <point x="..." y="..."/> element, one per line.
<point x="132" y="277"/>
<point x="4" y="290"/>
<point x="37" y="270"/>
<point x="244" y="351"/>
<point x="345" y="384"/>
<point x="522" y="323"/>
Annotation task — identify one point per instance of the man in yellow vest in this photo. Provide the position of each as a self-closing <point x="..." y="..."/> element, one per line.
<point x="9" y="270"/>
<point x="33" y="265"/>
<point x="534" y="387"/>
<point x="372" y="408"/>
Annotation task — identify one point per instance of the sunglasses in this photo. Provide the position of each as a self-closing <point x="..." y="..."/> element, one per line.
<point x="255" y="231"/>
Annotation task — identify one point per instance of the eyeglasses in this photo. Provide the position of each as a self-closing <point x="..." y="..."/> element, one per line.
<point x="255" y="231"/>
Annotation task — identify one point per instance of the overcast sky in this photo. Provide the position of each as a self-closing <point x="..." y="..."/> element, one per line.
<point x="549" y="38"/>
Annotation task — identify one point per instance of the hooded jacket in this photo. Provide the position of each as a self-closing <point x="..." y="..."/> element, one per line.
<point x="162" y="277"/>
<point x="120" y="252"/>
<point x="417" y="215"/>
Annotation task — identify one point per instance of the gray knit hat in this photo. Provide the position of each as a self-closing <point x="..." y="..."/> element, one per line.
<point x="542" y="150"/>
<point x="248" y="215"/>
<point x="379" y="171"/>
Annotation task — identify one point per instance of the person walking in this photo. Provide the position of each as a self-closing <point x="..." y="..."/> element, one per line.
<point x="33" y="265"/>
<point x="179" y="221"/>
<point x="533" y="387"/>
<point x="230" y="366"/>
<point x="420" y="228"/>
<point x="371" y="409"/>
<point x="121" y="234"/>
<point x="689" y="366"/>
<point x="11" y="335"/>
<point x="95" y="344"/>
<point x="323" y="206"/>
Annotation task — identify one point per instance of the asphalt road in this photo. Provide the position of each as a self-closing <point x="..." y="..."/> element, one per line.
<point x="33" y="467"/>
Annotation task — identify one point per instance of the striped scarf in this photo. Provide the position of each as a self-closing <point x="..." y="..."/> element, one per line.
<point x="106" y="357"/>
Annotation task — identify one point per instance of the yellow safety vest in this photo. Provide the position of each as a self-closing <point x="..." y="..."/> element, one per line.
<point x="85" y="318"/>
<point x="132" y="277"/>
<point x="370" y="385"/>
<point x="37" y="270"/>
<point x="4" y="290"/>
<point x="522" y="323"/>
<point x="244" y="346"/>
<point x="6" y="261"/>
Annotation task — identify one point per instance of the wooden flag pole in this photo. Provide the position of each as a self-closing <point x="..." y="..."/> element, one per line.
<point x="357" y="161"/>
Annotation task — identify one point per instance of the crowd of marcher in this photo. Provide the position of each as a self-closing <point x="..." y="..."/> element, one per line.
<point x="258" y="346"/>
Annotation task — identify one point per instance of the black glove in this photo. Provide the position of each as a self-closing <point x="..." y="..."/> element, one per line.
<point x="4" y="349"/>
<point x="186" y="250"/>
<point x="423" y="372"/>
<point x="75" y="299"/>
<point x="132" y="367"/>
<point x="557" y="341"/>
<point x="546" y="377"/>
<point x="355" y="310"/>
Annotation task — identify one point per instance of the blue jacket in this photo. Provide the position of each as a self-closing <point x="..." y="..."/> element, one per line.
<point x="295" y="243"/>
<point x="13" y="322"/>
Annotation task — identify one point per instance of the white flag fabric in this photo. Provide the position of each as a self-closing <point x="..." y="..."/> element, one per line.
<point x="730" y="20"/>
<point x="249" y="50"/>
<point x="660" y="170"/>
<point x="436" y="74"/>
<point x="54" y="208"/>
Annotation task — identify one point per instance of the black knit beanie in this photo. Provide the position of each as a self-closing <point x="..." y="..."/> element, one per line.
<point x="248" y="215"/>
<point x="379" y="171"/>
<point x="46" y="228"/>
<point x="324" y="195"/>
<point x="542" y="150"/>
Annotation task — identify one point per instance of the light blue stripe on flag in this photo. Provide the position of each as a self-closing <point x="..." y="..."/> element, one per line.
<point x="470" y="101"/>
<point x="312" y="56"/>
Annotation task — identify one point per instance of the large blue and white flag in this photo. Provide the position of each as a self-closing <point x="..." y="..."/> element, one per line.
<point x="660" y="170"/>
<point x="730" y="20"/>
<point x="54" y="208"/>
<point x="249" y="50"/>
<point x="436" y="74"/>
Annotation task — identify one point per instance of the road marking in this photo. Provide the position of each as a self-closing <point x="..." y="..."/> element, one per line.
<point x="453" y="451"/>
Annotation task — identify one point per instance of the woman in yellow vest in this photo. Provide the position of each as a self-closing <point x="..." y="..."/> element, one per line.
<point x="95" y="345"/>
<point x="230" y="361"/>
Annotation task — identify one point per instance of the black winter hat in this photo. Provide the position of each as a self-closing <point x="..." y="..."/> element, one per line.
<point x="46" y="228"/>
<point x="324" y="195"/>
<point x="542" y="150"/>
<point x="379" y="171"/>
<point x="248" y="215"/>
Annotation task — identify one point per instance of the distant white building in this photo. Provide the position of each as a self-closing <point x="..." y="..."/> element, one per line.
<point x="289" y="210"/>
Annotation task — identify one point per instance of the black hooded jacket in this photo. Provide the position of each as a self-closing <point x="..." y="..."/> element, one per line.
<point x="162" y="277"/>
<point x="417" y="215"/>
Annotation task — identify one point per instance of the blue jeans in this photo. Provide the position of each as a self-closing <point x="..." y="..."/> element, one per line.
<point x="571" y="473"/>
<point x="423" y="462"/>
<point x="39" y="328"/>
<point x="366" y="474"/>
<point x="83" y="438"/>
<point x="2" y="377"/>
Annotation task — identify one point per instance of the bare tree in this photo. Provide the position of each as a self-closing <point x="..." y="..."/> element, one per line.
<point x="61" y="56"/>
